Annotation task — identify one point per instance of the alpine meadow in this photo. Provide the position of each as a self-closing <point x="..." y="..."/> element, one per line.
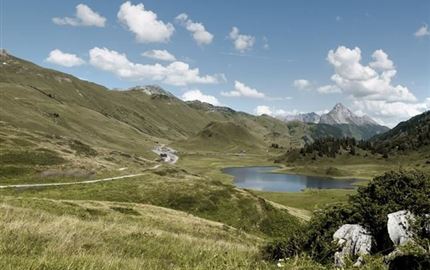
<point x="242" y="134"/>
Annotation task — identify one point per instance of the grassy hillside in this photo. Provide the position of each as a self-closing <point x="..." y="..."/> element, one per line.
<point x="57" y="128"/>
<point x="132" y="121"/>
<point x="410" y="135"/>
<point x="223" y="136"/>
<point x="67" y="234"/>
<point x="34" y="157"/>
<point x="174" y="188"/>
<point x="56" y="103"/>
<point x="406" y="146"/>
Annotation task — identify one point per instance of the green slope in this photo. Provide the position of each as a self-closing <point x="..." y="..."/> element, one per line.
<point x="67" y="234"/>
<point x="223" y="136"/>
<point x="405" y="146"/>
<point x="410" y="135"/>
<point x="45" y="100"/>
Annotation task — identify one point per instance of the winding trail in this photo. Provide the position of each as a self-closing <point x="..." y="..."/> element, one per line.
<point x="80" y="182"/>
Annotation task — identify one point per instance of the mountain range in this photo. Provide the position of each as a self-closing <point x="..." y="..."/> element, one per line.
<point x="134" y="120"/>
<point x="338" y="115"/>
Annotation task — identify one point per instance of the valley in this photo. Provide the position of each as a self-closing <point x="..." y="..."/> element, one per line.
<point x="92" y="178"/>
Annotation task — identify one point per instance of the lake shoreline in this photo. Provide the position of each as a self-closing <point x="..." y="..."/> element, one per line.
<point x="271" y="179"/>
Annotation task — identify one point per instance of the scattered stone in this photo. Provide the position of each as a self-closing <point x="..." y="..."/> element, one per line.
<point x="352" y="240"/>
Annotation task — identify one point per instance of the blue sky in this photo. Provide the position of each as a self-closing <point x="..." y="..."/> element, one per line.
<point x="276" y="62"/>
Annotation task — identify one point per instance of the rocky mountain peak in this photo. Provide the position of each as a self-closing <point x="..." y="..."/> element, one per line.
<point x="340" y="107"/>
<point x="342" y="115"/>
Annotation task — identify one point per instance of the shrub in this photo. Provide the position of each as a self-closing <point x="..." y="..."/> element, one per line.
<point x="319" y="234"/>
<point x="391" y="192"/>
<point x="315" y="238"/>
<point x="286" y="247"/>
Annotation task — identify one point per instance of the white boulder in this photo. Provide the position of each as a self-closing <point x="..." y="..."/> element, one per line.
<point x="352" y="240"/>
<point x="399" y="228"/>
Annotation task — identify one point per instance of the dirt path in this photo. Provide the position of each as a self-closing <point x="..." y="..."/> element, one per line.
<point x="80" y="182"/>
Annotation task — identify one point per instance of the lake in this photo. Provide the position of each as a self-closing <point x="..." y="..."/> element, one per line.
<point x="264" y="179"/>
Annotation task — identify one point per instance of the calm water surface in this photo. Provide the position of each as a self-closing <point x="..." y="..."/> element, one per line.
<point x="263" y="178"/>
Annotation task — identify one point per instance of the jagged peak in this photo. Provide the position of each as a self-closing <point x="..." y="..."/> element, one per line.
<point x="340" y="106"/>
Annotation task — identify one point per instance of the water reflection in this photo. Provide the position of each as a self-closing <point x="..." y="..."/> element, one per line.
<point x="263" y="178"/>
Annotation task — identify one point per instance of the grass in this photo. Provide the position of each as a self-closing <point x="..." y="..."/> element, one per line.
<point x="225" y="137"/>
<point x="32" y="158"/>
<point x="66" y="124"/>
<point x="59" y="234"/>
<point x="203" y="197"/>
<point x="210" y="164"/>
<point x="358" y="167"/>
<point x="309" y="199"/>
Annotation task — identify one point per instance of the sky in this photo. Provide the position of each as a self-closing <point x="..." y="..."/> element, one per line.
<point x="272" y="57"/>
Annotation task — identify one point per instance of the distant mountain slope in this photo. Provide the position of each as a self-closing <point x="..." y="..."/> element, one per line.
<point x="224" y="136"/>
<point x="52" y="102"/>
<point x="303" y="117"/>
<point x="343" y="122"/>
<point x="134" y="120"/>
<point x="412" y="134"/>
<point x="407" y="144"/>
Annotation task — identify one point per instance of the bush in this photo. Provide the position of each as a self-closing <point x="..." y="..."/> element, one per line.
<point x="319" y="234"/>
<point x="315" y="238"/>
<point x="389" y="193"/>
<point x="279" y="223"/>
<point x="284" y="248"/>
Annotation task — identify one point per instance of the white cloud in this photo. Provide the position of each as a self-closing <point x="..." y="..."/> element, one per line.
<point x="422" y="31"/>
<point x="280" y="113"/>
<point x="390" y="113"/>
<point x="198" y="95"/>
<point x="85" y="16"/>
<point x="242" y="90"/>
<point x="371" y="82"/>
<point x="328" y="89"/>
<point x="176" y="73"/>
<point x="241" y="42"/>
<point x="302" y="84"/>
<point x="144" y="24"/>
<point x="64" y="59"/>
<point x="263" y="109"/>
<point x="198" y="30"/>
<point x="381" y="61"/>
<point x="162" y="55"/>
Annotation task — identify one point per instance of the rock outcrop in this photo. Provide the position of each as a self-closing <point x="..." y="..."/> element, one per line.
<point x="408" y="254"/>
<point x="398" y="227"/>
<point x="352" y="240"/>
